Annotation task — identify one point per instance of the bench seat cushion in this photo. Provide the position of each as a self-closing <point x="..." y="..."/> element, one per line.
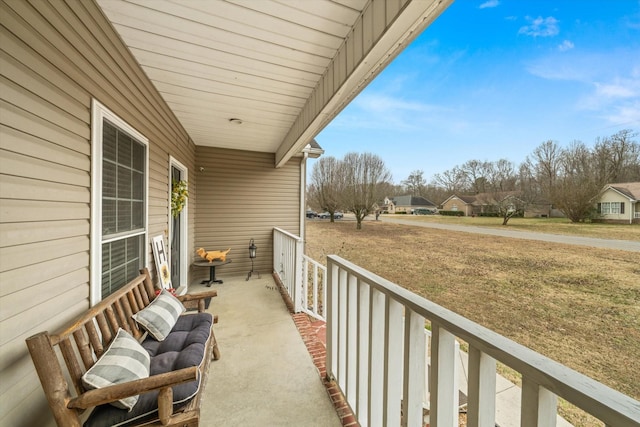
<point x="182" y="348"/>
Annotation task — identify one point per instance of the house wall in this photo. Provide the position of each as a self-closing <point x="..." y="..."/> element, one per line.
<point x="241" y="197"/>
<point x="613" y="196"/>
<point x="461" y="205"/>
<point x="55" y="59"/>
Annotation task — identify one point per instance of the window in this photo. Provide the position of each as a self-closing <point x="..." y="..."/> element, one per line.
<point x="119" y="203"/>
<point x="613" y="208"/>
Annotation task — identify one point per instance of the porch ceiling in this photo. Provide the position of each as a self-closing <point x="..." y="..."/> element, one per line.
<point x="285" y="68"/>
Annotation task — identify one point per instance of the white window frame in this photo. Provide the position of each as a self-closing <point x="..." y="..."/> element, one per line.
<point x="98" y="114"/>
<point x="605" y="208"/>
<point x="615" y="208"/>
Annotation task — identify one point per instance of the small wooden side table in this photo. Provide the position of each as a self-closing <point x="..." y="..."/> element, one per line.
<point x="212" y="269"/>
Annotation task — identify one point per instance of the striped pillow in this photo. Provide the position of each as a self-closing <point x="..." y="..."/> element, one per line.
<point x="161" y="315"/>
<point x="125" y="360"/>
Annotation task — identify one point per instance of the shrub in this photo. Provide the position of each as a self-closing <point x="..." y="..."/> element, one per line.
<point x="452" y="213"/>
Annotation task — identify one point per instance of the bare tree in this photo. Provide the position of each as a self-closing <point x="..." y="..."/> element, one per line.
<point x="325" y="190"/>
<point x="546" y="163"/>
<point x="617" y="157"/>
<point x="363" y="177"/>
<point x="415" y="184"/>
<point x="452" y="180"/>
<point x="476" y="173"/>
<point x="577" y="186"/>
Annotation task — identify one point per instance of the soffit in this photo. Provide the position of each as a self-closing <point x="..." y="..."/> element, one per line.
<point x="260" y="61"/>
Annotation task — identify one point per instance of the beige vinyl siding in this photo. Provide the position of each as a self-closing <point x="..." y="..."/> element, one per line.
<point x="240" y="197"/>
<point x="55" y="58"/>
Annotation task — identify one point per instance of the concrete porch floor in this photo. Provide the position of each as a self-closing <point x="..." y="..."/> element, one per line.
<point x="265" y="375"/>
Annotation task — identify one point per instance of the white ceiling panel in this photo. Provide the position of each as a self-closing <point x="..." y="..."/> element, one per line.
<point x="269" y="63"/>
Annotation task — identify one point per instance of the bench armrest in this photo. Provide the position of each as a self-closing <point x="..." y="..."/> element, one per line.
<point x="200" y="295"/>
<point x="116" y="392"/>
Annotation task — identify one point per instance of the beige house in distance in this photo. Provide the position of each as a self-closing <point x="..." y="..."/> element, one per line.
<point x="620" y="203"/>
<point x="459" y="203"/>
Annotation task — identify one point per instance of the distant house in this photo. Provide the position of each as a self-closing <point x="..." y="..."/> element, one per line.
<point x="483" y="203"/>
<point x="407" y="204"/>
<point x="460" y="203"/>
<point x="619" y="203"/>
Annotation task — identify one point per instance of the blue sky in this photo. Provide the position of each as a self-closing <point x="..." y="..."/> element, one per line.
<point x="494" y="79"/>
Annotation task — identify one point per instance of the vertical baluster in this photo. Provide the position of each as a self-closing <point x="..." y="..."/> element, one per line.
<point x="482" y="389"/>
<point x="342" y="330"/>
<point x="539" y="405"/>
<point x="104" y="329"/>
<point x="75" y="372"/>
<point x="332" y="318"/>
<point x="414" y="369"/>
<point x="83" y="347"/>
<point x="443" y="410"/>
<point x="393" y="363"/>
<point x="94" y="338"/>
<point x="121" y="317"/>
<point x="111" y="319"/>
<point x="364" y="296"/>
<point x="352" y="342"/>
<point x="376" y="357"/>
<point x="316" y="308"/>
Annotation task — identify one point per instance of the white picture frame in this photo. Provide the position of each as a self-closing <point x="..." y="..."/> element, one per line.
<point x="162" y="263"/>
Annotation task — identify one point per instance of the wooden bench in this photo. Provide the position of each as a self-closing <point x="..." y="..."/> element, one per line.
<point x="63" y="357"/>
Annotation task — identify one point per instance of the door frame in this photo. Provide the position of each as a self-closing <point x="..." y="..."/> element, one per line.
<point x="184" y="226"/>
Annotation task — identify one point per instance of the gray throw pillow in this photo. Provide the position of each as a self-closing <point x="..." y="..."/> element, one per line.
<point x="125" y="360"/>
<point x="159" y="317"/>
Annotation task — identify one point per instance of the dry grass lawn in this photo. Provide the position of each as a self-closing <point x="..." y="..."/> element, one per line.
<point x="577" y="305"/>
<point x="540" y="225"/>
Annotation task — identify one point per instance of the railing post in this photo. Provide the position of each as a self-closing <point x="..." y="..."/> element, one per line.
<point x="482" y="389"/>
<point x="297" y="280"/>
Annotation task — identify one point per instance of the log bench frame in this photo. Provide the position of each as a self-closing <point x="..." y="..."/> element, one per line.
<point x="84" y="340"/>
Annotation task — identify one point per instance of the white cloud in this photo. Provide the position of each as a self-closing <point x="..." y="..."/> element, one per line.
<point x="489" y="3"/>
<point x="540" y="27"/>
<point x="565" y="46"/>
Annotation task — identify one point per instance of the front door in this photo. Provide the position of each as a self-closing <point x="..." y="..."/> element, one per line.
<point x="175" y="238"/>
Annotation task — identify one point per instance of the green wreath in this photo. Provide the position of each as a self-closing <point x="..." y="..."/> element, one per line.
<point x="179" y="195"/>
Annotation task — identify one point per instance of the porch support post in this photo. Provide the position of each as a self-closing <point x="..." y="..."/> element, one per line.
<point x="297" y="280"/>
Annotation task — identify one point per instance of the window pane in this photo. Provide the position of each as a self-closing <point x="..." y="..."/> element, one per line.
<point x="137" y="186"/>
<point x="124" y="149"/>
<point x="108" y="179"/>
<point x="138" y="151"/>
<point x="137" y="215"/>
<point x="124" y="215"/>
<point x="108" y="141"/>
<point x="121" y="262"/>
<point x="108" y="217"/>
<point x="124" y="183"/>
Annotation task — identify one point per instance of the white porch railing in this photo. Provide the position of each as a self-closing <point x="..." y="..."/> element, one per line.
<point x="304" y="279"/>
<point x="636" y="215"/>
<point x="314" y="288"/>
<point x="287" y="263"/>
<point x="375" y="352"/>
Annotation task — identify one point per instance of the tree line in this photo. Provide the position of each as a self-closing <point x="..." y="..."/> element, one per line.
<point x="570" y="178"/>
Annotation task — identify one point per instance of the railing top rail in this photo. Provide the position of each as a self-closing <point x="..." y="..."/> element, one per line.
<point x="286" y="233"/>
<point x="601" y="401"/>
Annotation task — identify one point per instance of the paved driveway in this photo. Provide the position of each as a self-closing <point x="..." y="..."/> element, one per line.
<point x="623" y="245"/>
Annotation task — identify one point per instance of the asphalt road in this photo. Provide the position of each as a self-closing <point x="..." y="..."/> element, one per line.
<point x="623" y="245"/>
